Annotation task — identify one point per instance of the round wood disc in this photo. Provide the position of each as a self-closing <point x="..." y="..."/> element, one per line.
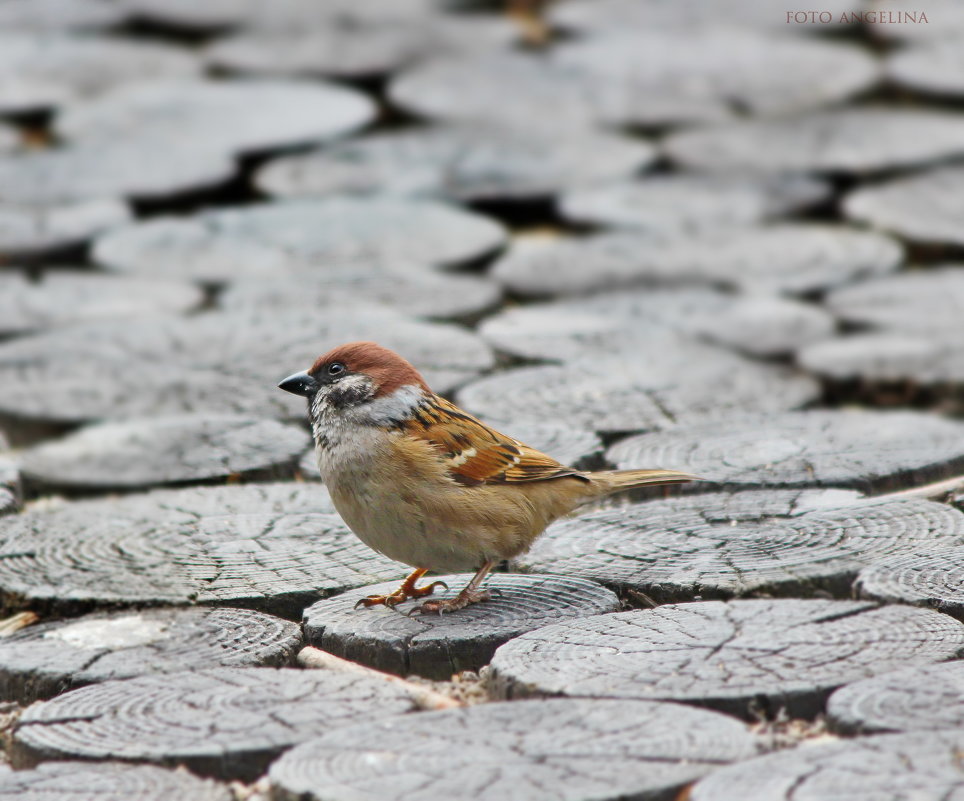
<point x="30" y="233"/>
<point x="925" y="577"/>
<point x="720" y="546"/>
<point x="78" y="175"/>
<point x="788" y="259"/>
<point x="913" y="699"/>
<point x="45" y="72"/>
<point x="231" y="117"/>
<point x="934" y="68"/>
<point x="612" y="321"/>
<point x="60" y="298"/>
<point x="416" y="292"/>
<point x="275" y="547"/>
<point x="464" y="162"/>
<point x="42" y="661"/>
<point x="300" y="237"/>
<point x="10" y="491"/>
<point x="437" y="646"/>
<point x="922" y="207"/>
<point x="166" y="450"/>
<point x="872" y="451"/>
<point x="843" y="141"/>
<point x="217" y="363"/>
<point x="672" y="381"/>
<point x="936" y="358"/>
<point x="683" y="203"/>
<point x="227" y="722"/>
<point x="921" y="301"/>
<point x="357" y="52"/>
<point x="770" y="653"/>
<point x="651" y="77"/>
<point x="922" y="766"/>
<point x="107" y="781"/>
<point x="556" y="750"/>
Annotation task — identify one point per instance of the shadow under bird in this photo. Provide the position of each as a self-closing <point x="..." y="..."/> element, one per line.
<point x="427" y="484"/>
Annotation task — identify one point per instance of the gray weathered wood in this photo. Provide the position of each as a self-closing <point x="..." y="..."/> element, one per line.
<point x="734" y="656"/>
<point x="612" y="321"/>
<point x="59" y="15"/>
<point x="782" y="258"/>
<point x="683" y="203"/>
<point x="483" y="162"/>
<point x="931" y="68"/>
<point x="276" y="547"/>
<point x="60" y="298"/>
<point x="166" y="450"/>
<point x="43" y="660"/>
<point x="218" y="362"/>
<point x="922" y="207"/>
<point x="437" y="646"/>
<point x="298" y="238"/>
<point x="555" y="750"/>
<point x="718" y="546"/>
<point x="871" y="451"/>
<point x="32" y="233"/>
<point x="10" y="489"/>
<point x="949" y="13"/>
<point x="227" y="722"/>
<point x="913" y="699"/>
<point x="841" y="141"/>
<point x="670" y="381"/>
<point x="928" y="576"/>
<point x="107" y="781"/>
<point x="922" y="766"/>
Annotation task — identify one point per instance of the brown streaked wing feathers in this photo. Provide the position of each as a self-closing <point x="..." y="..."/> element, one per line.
<point x="477" y="454"/>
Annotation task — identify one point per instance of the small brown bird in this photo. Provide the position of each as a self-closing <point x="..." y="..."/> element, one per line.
<point x="427" y="484"/>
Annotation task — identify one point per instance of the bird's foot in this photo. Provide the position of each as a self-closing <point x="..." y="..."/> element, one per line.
<point x="460" y="601"/>
<point x="405" y="592"/>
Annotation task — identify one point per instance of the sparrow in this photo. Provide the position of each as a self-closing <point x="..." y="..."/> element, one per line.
<point x="423" y="482"/>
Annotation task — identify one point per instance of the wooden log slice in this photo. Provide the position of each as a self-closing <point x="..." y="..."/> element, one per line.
<point x="366" y="52"/>
<point x="925" y="577"/>
<point x="932" y="359"/>
<point x="57" y="182"/>
<point x="59" y="298"/>
<point x="30" y="233"/>
<point x="933" y="68"/>
<point x="710" y="546"/>
<point x="10" y="139"/>
<point x="872" y="451"/>
<point x="782" y="258"/>
<point x="684" y="203"/>
<point x="922" y="207"/>
<point x="274" y="547"/>
<point x="733" y="656"/>
<point x="921" y="301"/>
<point x="299" y="238"/>
<point x="225" y="722"/>
<point x="10" y="489"/>
<point x="556" y="750"/>
<point x="650" y="77"/>
<point x="60" y="15"/>
<point x="613" y="321"/>
<point x="219" y="362"/>
<point x="437" y="646"/>
<point x="913" y="699"/>
<point x="416" y="292"/>
<point x="166" y="450"/>
<point x="107" y="781"/>
<point x="234" y="117"/>
<point x="482" y="162"/>
<point x="836" y="141"/>
<point x="922" y="766"/>
<point x="671" y="382"/>
<point x="44" y="660"/>
<point x="49" y="71"/>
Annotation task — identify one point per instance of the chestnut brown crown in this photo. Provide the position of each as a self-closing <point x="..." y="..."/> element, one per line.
<point x="387" y="369"/>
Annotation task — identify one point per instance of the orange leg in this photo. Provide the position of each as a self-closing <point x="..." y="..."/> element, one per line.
<point x="404" y="592"/>
<point x="470" y="595"/>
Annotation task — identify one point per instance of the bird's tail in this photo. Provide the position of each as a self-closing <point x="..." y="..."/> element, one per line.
<point x="610" y="481"/>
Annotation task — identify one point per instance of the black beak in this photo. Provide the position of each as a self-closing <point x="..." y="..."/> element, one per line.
<point x="299" y="384"/>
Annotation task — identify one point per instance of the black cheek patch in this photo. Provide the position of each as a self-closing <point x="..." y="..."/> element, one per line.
<point x="342" y="396"/>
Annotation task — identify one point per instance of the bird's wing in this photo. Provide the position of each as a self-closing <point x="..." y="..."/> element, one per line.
<point x="476" y="454"/>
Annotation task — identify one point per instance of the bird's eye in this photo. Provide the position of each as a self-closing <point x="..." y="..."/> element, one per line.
<point x="336" y="368"/>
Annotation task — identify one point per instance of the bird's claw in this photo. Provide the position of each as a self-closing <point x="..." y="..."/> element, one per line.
<point x="460" y="601"/>
<point x="400" y="595"/>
